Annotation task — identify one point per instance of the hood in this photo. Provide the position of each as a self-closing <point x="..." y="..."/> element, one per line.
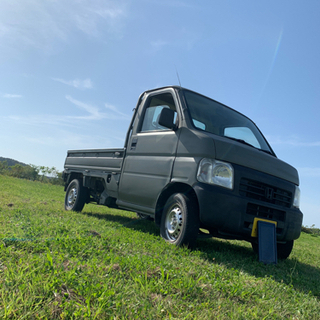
<point x="237" y="153"/>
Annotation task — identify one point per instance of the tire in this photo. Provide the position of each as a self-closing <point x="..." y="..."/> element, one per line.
<point x="76" y="196"/>
<point x="283" y="249"/>
<point x="180" y="221"/>
<point x="255" y="247"/>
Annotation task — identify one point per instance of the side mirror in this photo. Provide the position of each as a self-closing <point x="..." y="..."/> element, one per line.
<point x="166" y="119"/>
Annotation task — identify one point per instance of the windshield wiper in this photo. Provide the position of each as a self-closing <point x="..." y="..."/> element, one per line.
<point x="249" y="144"/>
<point x="267" y="151"/>
<point x="241" y="141"/>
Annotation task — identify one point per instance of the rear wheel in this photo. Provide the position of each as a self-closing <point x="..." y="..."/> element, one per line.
<point x="283" y="249"/>
<point x="76" y="196"/>
<point x="180" y="221"/>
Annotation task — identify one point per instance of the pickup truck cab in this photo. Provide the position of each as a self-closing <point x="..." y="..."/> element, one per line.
<point x="191" y="164"/>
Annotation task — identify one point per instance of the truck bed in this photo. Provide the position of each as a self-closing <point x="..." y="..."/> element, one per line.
<point x="108" y="160"/>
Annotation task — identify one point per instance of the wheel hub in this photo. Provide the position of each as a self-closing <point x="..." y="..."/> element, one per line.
<point x="174" y="223"/>
<point x="72" y="196"/>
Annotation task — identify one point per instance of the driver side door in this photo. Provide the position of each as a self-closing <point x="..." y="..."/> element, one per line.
<point x="150" y="155"/>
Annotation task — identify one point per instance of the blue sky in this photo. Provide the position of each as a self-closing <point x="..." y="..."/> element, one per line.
<point x="72" y="70"/>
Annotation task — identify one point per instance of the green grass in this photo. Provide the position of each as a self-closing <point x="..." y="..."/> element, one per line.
<point x="107" y="264"/>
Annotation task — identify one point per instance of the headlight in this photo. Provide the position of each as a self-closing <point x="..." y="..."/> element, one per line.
<point x="296" y="199"/>
<point x="215" y="172"/>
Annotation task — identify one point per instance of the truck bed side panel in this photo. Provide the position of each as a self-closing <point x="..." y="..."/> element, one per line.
<point x="109" y="160"/>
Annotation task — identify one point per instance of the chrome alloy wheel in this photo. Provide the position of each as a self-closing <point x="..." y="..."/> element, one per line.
<point x="173" y="223"/>
<point x="72" y="197"/>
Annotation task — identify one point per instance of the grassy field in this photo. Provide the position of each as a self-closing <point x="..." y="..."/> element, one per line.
<point x="107" y="264"/>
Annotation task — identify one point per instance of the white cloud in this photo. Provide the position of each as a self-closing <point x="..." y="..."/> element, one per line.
<point x="176" y="3"/>
<point x="92" y="113"/>
<point x="292" y="141"/>
<point x="114" y="109"/>
<point x="39" y="120"/>
<point x="75" y="140"/>
<point x="10" y="96"/>
<point x="158" y="44"/>
<point x="76" y="83"/>
<point x="40" y="24"/>
<point x="110" y="11"/>
<point x="95" y="113"/>
<point x="184" y="38"/>
<point x="92" y="14"/>
<point x="309" y="172"/>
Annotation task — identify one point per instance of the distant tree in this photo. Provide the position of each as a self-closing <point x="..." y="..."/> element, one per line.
<point x="32" y="172"/>
<point x="23" y="172"/>
<point x="36" y="170"/>
<point x="54" y="172"/>
<point x="43" y="171"/>
<point x="58" y="179"/>
<point x="11" y="162"/>
<point x="3" y="167"/>
<point x="16" y="171"/>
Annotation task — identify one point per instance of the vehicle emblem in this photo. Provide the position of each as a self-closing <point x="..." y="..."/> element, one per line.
<point x="269" y="193"/>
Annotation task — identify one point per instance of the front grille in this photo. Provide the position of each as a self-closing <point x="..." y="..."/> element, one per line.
<point x="265" y="212"/>
<point x="260" y="191"/>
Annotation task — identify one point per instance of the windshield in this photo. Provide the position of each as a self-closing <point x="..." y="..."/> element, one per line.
<point x="211" y="116"/>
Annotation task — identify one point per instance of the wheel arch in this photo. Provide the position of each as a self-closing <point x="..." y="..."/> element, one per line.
<point x="71" y="176"/>
<point x="176" y="187"/>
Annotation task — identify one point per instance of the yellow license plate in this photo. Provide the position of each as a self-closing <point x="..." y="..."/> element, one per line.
<point x="254" y="232"/>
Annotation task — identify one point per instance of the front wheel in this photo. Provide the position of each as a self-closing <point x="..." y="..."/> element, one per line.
<point x="284" y="249"/>
<point x="180" y="221"/>
<point x="76" y="196"/>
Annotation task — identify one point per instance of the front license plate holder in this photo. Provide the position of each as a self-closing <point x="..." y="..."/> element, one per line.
<point x="254" y="232"/>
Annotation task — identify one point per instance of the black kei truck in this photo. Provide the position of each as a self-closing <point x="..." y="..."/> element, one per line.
<point x="195" y="166"/>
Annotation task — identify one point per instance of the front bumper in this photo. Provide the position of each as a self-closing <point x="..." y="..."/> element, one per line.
<point x="231" y="213"/>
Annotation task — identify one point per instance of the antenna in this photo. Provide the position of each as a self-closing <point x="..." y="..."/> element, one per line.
<point x="178" y="77"/>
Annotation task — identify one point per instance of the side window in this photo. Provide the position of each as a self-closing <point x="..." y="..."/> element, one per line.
<point x="199" y="124"/>
<point x="153" y="110"/>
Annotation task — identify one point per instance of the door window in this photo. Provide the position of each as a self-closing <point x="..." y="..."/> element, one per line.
<point x="153" y="110"/>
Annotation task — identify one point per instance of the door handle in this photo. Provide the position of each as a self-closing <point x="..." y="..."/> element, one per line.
<point x="134" y="143"/>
